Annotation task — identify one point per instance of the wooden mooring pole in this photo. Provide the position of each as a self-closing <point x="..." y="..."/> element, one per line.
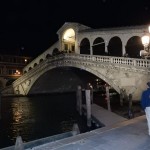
<point x="108" y="97"/>
<point x="88" y="106"/>
<point x="79" y="100"/>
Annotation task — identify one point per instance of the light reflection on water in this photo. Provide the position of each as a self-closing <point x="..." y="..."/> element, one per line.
<point x="21" y="113"/>
<point x="37" y="117"/>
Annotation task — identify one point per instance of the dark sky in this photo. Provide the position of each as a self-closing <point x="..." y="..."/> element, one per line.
<point x="28" y="27"/>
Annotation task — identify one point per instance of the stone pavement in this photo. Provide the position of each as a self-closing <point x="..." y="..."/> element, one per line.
<point x="127" y="135"/>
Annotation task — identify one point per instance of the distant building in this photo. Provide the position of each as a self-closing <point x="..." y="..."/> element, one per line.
<point x="11" y="68"/>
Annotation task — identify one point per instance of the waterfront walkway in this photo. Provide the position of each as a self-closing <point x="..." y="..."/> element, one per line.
<point x="104" y="116"/>
<point x="127" y="135"/>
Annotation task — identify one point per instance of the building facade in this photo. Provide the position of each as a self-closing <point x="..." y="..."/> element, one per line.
<point x="11" y="68"/>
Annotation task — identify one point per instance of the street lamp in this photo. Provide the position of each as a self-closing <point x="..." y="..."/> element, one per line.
<point x="145" y="41"/>
<point x="25" y="60"/>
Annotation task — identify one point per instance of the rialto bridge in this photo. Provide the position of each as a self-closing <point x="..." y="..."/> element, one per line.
<point x="111" y="54"/>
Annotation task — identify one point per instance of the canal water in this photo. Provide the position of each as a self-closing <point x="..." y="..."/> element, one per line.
<point x="38" y="116"/>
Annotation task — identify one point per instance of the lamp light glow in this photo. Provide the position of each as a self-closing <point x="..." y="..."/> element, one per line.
<point x="145" y="40"/>
<point x="69" y="35"/>
<point x="149" y="29"/>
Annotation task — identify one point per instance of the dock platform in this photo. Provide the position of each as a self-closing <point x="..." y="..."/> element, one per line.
<point x="103" y="116"/>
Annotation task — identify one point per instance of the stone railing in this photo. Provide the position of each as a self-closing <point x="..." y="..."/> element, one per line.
<point x="144" y="63"/>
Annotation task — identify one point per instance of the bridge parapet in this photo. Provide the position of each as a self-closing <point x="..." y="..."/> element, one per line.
<point x="40" y="57"/>
<point x="139" y="63"/>
<point x="142" y="63"/>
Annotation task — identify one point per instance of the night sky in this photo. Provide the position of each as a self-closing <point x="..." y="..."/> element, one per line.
<point x="28" y="27"/>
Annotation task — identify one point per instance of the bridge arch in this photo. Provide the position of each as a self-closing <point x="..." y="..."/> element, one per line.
<point x="115" y="47"/>
<point x="119" y="73"/>
<point x="98" y="46"/>
<point x="85" y="46"/>
<point x="85" y="68"/>
<point x="133" y="47"/>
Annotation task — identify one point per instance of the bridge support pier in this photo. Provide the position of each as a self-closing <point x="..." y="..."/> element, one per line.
<point x="88" y="106"/>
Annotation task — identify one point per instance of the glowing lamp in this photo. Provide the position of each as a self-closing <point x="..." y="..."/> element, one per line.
<point x="145" y="40"/>
<point x="149" y="29"/>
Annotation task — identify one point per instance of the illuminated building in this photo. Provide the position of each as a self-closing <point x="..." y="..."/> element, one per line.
<point x="11" y="68"/>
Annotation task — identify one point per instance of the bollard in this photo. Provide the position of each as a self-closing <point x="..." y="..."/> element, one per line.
<point x="75" y="129"/>
<point x="19" y="143"/>
<point x="88" y="107"/>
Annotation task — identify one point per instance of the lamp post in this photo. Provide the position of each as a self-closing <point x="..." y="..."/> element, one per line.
<point x="145" y="41"/>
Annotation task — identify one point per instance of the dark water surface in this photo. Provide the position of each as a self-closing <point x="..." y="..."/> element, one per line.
<point x="37" y="117"/>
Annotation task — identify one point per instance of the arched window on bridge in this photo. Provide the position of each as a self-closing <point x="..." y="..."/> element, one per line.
<point x="48" y="56"/>
<point x="133" y="47"/>
<point x="115" y="47"/>
<point x="40" y="60"/>
<point x="68" y="41"/>
<point x="35" y="64"/>
<point x="25" y="71"/>
<point x="55" y="52"/>
<point x="30" y="68"/>
<point x="98" y="46"/>
<point x="85" y="46"/>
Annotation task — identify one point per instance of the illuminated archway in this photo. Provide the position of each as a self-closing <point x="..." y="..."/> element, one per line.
<point x="68" y="45"/>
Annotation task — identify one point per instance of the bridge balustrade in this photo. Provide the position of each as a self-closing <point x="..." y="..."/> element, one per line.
<point x="144" y="63"/>
<point x="139" y="63"/>
<point x="108" y="59"/>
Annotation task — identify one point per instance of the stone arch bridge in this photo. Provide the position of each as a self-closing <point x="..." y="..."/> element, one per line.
<point x="121" y="73"/>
